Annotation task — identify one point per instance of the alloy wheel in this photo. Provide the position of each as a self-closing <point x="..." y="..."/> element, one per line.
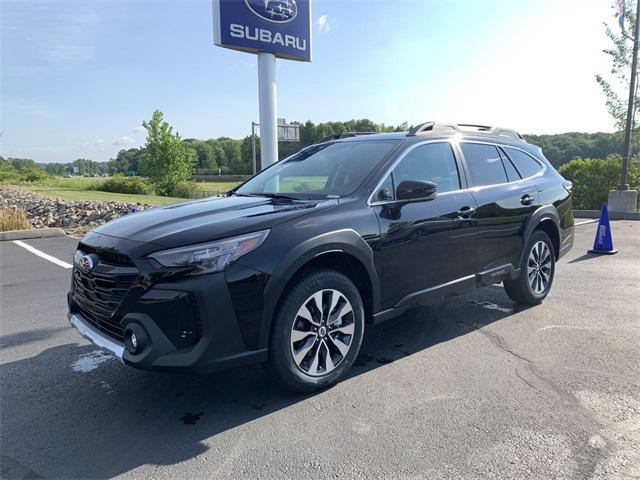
<point x="322" y="332"/>
<point x="539" y="267"/>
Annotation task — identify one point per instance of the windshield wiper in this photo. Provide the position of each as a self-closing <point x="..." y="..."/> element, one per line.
<point x="273" y="195"/>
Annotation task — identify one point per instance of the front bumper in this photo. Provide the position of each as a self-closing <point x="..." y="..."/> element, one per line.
<point x="95" y="336"/>
<point x="226" y="339"/>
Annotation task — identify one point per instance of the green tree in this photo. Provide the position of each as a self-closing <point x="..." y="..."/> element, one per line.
<point x="621" y="53"/>
<point x="246" y="153"/>
<point x="128" y="161"/>
<point x="564" y="147"/>
<point x="205" y="155"/>
<point x="22" y="163"/>
<point x="55" y="168"/>
<point x="167" y="161"/>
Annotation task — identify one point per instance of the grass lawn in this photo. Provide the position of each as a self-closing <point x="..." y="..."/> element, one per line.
<point x="78" y="188"/>
<point x="71" y="193"/>
<point x="291" y="184"/>
<point x="215" y="187"/>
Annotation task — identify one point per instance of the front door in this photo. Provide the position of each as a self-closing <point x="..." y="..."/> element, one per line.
<point x="425" y="244"/>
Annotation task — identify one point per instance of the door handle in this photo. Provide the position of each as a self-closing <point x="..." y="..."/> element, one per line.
<point x="466" y="212"/>
<point x="526" y="199"/>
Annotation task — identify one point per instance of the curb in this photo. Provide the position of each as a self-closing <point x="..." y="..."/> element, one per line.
<point x="35" y="233"/>
<point x="612" y="215"/>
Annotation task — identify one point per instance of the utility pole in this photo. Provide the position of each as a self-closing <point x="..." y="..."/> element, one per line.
<point x="623" y="199"/>
<point x="624" y="185"/>
<point x="253" y="145"/>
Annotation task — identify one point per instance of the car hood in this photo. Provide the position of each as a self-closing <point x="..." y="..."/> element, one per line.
<point x="208" y="219"/>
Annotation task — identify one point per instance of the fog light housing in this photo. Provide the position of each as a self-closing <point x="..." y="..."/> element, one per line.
<point x="135" y="338"/>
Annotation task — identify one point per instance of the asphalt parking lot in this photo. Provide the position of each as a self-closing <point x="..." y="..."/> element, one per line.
<point x="472" y="388"/>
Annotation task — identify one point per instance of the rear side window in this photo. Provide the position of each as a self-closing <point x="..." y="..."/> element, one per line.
<point x="433" y="162"/>
<point x="485" y="164"/>
<point x="525" y="164"/>
<point x="512" y="173"/>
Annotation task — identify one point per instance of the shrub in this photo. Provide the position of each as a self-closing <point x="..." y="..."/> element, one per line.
<point x="182" y="190"/>
<point x="8" y="173"/>
<point x="12" y="219"/>
<point x="593" y="178"/>
<point x="120" y="184"/>
<point x="32" y="174"/>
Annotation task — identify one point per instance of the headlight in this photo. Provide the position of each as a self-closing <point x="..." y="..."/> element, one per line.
<point x="213" y="256"/>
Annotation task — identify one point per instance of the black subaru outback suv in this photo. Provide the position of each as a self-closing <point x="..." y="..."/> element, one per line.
<point x="293" y="264"/>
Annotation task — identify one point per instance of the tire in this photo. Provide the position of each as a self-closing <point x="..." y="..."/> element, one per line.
<point x="309" y="349"/>
<point x="536" y="277"/>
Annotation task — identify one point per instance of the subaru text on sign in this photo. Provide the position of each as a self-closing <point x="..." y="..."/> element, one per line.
<point x="281" y="27"/>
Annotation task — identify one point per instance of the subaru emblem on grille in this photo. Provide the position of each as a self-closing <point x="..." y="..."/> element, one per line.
<point x="86" y="263"/>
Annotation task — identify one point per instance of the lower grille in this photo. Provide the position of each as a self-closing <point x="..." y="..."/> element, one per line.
<point x="99" y="293"/>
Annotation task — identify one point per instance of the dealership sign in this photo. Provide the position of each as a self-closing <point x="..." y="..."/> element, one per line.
<point x="281" y="27"/>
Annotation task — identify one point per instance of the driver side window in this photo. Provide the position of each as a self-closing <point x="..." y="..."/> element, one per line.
<point x="433" y="162"/>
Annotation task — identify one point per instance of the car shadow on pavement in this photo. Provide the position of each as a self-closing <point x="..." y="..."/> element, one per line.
<point x="31" y="336"/>
<point x="582" y="258"/>
<point x="69" y="412"/>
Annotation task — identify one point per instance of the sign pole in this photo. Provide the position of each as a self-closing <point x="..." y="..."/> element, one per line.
<point x="268" y="115"/>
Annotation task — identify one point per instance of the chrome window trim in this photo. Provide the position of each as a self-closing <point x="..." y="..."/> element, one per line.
<point x="497" y="145"/>
<point x="542" y="164"/>
<point x="452" y="142"/>
<point x="395" y="163"/>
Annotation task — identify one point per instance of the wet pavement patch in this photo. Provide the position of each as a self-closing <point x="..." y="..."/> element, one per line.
<point x="384" y="360"/>
<point x="90" y="361"/>
<point x="191" y="418"/>
<point x="362" y="360"/>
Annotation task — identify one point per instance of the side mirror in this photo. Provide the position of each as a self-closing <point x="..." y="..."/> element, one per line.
<point x="411" y="190"/>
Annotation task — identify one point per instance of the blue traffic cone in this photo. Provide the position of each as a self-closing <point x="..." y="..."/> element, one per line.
<point x="603" y="244"/>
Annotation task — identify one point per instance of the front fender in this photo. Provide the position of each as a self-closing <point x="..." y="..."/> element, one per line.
<point x="347" y="241"/>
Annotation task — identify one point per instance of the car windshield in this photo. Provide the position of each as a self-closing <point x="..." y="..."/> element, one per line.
<point x="330" y="169"/>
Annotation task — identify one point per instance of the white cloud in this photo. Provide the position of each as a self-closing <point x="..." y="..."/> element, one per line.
<point x="90" y="147"/>
<point x="122" y="141"/>
<point x="139" y="129"/>
<point x="325" y="23"/>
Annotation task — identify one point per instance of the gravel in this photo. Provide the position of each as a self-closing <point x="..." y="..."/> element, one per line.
<point x="70" y="215"/>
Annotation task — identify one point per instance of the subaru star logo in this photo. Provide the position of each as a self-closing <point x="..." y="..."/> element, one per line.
<point x="86" y="263"/>
<point x="277" y="11"/>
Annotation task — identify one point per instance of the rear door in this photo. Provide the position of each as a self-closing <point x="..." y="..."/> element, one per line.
<point x="425" y="244"/>
<point x="505" y="203"/>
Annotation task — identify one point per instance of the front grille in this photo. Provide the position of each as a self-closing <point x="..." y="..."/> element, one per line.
<point x="99" y="293"/>
<point x="108" y="256"/>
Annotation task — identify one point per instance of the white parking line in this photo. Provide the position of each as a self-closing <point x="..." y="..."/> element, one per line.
<point x="586" y="222"/>
<point x="37" y="252"/>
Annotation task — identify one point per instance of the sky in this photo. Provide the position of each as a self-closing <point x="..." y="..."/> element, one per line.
<point x="79" y="77"/>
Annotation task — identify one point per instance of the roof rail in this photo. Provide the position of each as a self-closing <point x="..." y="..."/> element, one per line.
<point x="459" y="127"/>
<point x="422" y="127"/>
<point x="505" y="132"/>
<point x="480" y="128"/>
<point x="338" y="136"/>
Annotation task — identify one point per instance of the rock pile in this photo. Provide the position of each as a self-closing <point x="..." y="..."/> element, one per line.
<point x="67" y="214"/>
